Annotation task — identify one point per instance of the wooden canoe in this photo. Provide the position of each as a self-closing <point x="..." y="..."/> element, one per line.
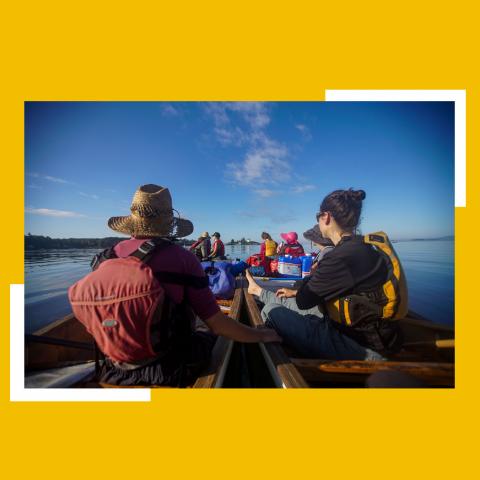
<point x="427" y="359"/>
<point x="62" y="354"/>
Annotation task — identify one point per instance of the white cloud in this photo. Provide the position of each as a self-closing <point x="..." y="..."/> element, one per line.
<point x="254" y="113"/>
<point x="48" y="177"/>
<point x="304" y="130"/>
<point x="264" y="164"/>
<point x="252" y="116"/>
<point x="168" y="110"/>
<point x="34" y="186"/>
<point x="53" y="213"/>
<point x="87" y="195"/>
<point x="231" y="136"/>
<point x="265" y="192"/>
<point x="266" y="161"/>
<point x="303" y="188"/>
<point x="55" y="179"/>
<point x="218" y="112"/>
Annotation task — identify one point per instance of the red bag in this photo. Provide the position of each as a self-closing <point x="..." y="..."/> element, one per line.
<point x="255" y="260"/>
<point x="117" y="303"/>
<point x="274" y="266"/>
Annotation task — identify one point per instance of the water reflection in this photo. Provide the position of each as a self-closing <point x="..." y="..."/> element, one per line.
<point x="48" y="274"/>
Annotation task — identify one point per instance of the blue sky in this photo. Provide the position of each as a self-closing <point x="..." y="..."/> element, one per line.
<point x="240" y="167"/>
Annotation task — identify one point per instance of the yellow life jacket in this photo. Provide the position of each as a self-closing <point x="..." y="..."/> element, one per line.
<point x="389" y="301"/>
<point x="270" y="248"/>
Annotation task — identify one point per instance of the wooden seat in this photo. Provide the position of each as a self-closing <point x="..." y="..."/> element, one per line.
<point x="317" y="370"/>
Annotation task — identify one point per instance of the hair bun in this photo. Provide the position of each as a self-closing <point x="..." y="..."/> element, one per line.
<point x="358" y="195"/>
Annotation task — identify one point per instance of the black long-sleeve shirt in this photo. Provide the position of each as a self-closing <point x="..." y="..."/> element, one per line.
<point x="342" y="272"/>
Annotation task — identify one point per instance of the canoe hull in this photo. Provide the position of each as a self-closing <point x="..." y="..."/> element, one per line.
<point x="426" y="360"/>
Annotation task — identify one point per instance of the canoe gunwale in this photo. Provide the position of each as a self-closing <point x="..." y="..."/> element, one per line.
<point x="213" y="376"/>
<point x="283" y="371"/>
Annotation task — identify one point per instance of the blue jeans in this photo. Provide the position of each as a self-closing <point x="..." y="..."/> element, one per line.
<point x="308" y="332"/>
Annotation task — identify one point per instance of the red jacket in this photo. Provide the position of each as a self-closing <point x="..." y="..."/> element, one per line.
<point x="218" y="249"/>
<point x="295" y="249"/>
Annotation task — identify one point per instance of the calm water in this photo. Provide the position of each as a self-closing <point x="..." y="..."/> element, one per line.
<point x="428" y="265"/>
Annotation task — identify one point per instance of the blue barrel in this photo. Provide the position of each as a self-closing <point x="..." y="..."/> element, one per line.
<point x="307" y="262"/>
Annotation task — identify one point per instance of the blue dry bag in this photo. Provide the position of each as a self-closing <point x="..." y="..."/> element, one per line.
<point x="238" y="267"/>
<point x="220" y="279"/>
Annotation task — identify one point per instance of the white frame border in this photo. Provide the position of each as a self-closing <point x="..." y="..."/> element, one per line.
<point x="18" y="392"/>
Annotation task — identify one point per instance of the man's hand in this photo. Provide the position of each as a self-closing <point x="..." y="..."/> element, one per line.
<point x="270" y="335"/>
<point x="285" y="293"/>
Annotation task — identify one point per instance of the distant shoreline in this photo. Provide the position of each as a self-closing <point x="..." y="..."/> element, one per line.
<point x="39" y="242"/>
<point x="438" y="239"/>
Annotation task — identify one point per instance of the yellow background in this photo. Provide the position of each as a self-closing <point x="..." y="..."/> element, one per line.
<point x="240" y="51"/>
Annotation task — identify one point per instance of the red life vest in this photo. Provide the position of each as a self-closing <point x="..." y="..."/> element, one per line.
<point x="219" y="248"/>
<point x="295" y="250"/>
<point x="120" y="300"/>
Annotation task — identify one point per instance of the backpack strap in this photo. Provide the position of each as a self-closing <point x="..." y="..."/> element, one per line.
<point x="106" y="254"/>
<point x="146" y="249"/>
<point x="144" y="253"/>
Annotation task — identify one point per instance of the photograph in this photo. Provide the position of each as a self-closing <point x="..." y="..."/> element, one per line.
<point x="239" y="244"/>
<point x="247" y="227"/>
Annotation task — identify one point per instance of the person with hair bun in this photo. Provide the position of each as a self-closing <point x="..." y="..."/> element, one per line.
<point x="353" y="267"/>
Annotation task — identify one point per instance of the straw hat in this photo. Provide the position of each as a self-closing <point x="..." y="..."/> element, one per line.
<point x="152" y="216"/>
<point x="205" y="235"/>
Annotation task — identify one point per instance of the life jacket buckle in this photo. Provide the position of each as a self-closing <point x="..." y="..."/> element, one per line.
<point x="146" y="247"/>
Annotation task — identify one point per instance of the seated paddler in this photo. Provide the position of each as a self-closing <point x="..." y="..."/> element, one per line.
<point x="348" y="308"/>
<point x="143" y="296"/>
<point x="201" y="248"/>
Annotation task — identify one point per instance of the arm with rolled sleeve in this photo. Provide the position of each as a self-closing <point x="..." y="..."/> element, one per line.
<point x="205" y="306"/>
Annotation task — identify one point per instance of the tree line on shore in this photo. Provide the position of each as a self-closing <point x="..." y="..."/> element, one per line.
<point x="36" y="242"/>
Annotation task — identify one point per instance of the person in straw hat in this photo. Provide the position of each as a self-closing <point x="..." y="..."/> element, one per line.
<point x="152" y="217"/>
<point x="202" y="247"/>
